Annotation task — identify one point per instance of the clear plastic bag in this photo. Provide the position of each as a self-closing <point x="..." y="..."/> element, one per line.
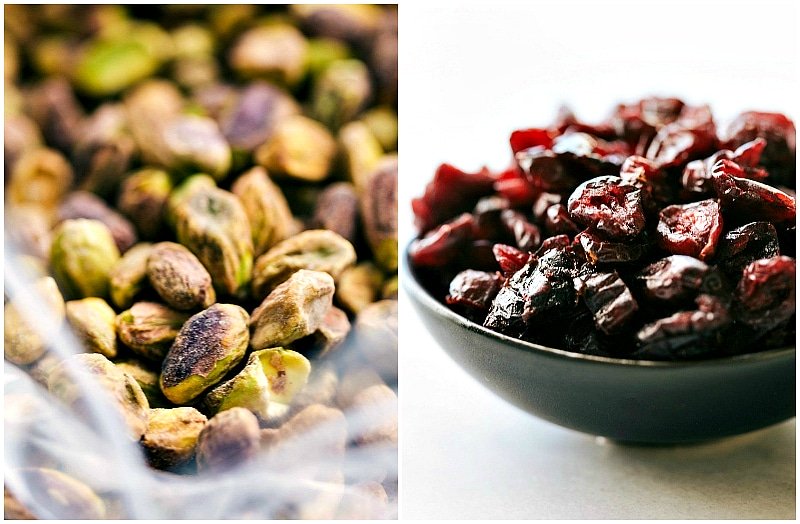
<point x="57" y="460"/>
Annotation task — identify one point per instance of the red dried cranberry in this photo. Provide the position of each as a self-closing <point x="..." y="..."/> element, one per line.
<point x="690" y="229"/>
<point x="542" y="203"/>
<point x="525" y="138"/>
<point x="750" y="199"/>
<point x="474" y="289"/>
<point x="558" y="222"/>
<point x="692" y="135"/>
<point x="674" y="279"/>
<point x="686" y="333"/>
<point x="451" y="192"/>
<point x="512" y="185"/>
<point x="609" y="300"/>
<point x="609" y="205"/>
<point x="653" y="182"/>
<point x="780" y="135"/>
<point x="509" y="258"/>
<point x="556" y="242"/>
<point x="478" y="254"/>
<point x="525" y="234"/>
<point x="542" y="168"/>
<point x="441" y="246"/>
<point x="765" y="295"/>
<point x="592" y="155"/>
<point x="599" y="250"/>
<point x="743" y="245"/>
<point x="659" y="112"/>
<point x="697" y="176"/>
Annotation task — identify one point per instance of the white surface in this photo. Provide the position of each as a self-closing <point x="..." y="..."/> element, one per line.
<point x="472" y="73"/>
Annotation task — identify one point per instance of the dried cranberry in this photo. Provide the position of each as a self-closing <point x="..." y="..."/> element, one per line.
<point x="509" y="258"/>
<point x="609" y="300"/>
<point x="442" y="245"/>
<point x="542" y="289"/>
<point x="542" y="203"/>
<point x="609" y="205"/>
<point x="780" y="135"/>
<point x="674" y="279"/>
<point x="750" y="199"/>
<point x="556" y="242"/>
<point x="512" y="185"/>
<point x="659" y="112"/>
<point x="542" y="168"/>
<point x="478" y="254"/>
<point x="487" y="217"/>
<point x="526" y="138"/>
<point x="653" y="182"/>
<point x="599" y="250"/>
<point x="474" y="289"/>
<point x="692" y="135"/>
<point x="558" y="222"/>
<point x="690" y="229"/>
<point x="743" y="245"/>
<point x="685" y="334"/>
<point x="697" y="177"/>
<point x="593" y="156"/>
<point x="451" y="192"/>
<point x="526" y="235"/>
<point x="765" y="295"/>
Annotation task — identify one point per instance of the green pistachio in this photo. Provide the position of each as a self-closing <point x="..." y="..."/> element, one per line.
<point x="149" y="329"/>
<point x="82" y="256"/>
<point x="208" y="345"/>
<point x="60" y="495"/>
<point x="125" y="393"/>
<point x="323" y="51"/>
<point x="92" y="320"/>
<point x="128" y="274"/>
<point x="147" y="380"/>
<point x="361" y="152"/>
<point x="171" y="436"/>
<point x="340" y="92"/>
<point x="179" y="277"/>
<point x="390" y="289"/>
<point x="376" y="337"/>
<point x="331" y="332"/>
<point x="316" y="250"/>
<point x="300" y="148"/>
<point x="275" y="51"/>
<point x="382" y="122"/>
<point x="213" y="224"/>
<point x="271" y="220"/>
<point x="109" y="66"/>
<point x="379" y="213"/>
<point x="293" y="310"/>
<point x="195" y="143"/>
<point x="358" y="286"/>
<point x="40" y="176"/>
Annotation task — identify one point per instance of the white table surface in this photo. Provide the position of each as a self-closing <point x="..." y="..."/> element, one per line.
<point x="470" y="73"/>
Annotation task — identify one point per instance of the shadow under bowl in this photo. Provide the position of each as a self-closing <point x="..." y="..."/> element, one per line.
<point x="637" y="401"/>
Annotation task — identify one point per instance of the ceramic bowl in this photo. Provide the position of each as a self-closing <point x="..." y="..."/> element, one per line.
<point x="636" y="401"/>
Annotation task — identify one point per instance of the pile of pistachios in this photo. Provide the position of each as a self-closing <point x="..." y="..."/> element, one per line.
<point x="207" y="196"/>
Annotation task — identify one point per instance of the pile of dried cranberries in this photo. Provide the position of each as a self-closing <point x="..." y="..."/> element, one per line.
<point x="648" y="236"/>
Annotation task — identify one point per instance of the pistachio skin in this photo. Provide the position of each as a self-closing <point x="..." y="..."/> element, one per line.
<point x="82" y="256"/>
<point x="179" y="277"/>
<point x="208" y="345"/>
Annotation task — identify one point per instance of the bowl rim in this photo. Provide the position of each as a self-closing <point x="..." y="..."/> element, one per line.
<point x="414" y="288"/>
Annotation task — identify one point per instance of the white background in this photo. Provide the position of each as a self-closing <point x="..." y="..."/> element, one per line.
<point x="470" y="73"/>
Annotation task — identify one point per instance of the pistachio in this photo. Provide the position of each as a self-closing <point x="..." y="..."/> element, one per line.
<point x="109" y="66"/>
<point x="340" y="92"/>
<point x="104" y="150"/>
<point x="329" y="335"/>
<point x="293" y="310"/>
<point x="82" y="204"/>
<point x="195" y="143"/>
<point x="336" y="209"/>
<point x="126" y="395"/>
<point x="265" y="386"/>
<point x="270" y="218"/>
<point x="82" y="255"/>
<point x="149" y="107"/>
<point x="251" y="118"/>
<point x="147" y="380"/>
<point x="208" y="345"/>
<point x="92" y="320"/>
<point x="22" y="343"/>
<point x="382" y="122"/>
<point x="52" y="104"/>
<point x="299" y="148"/>
<point x="171" y="436"/>
<point x="316" y="250"/>
<point x="354" y="381"/>
<point x="41" y="369"/>
<point x="374" y="411"/>
<point x="376" y="337"/>
<point x="323" y="51"/>
<point x="179" y="277"/>
<point x="213" y="224"/>
<point x="229" y="438"/>
<point x="276" y="52"/>
<point x="20" y="134"/>
<point x="390" y="289"/>
<point x="40" y="176"/>
<point x="379" y="213"/>
<point x="129" y="273"/>
<point x="27" y="227"/>
<point x="361" y="152"/>
<point x="315" y="433"/>
<point x="358" y="286"/>
<point x="143" y="198"/>
<point x="55" y="494"/>
<point x="351" y="22"/>
<point x="149" y="329"/>
<point x="320" y="389"/>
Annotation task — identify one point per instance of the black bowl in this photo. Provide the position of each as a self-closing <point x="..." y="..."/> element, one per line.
<point x="637" y="401"/>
